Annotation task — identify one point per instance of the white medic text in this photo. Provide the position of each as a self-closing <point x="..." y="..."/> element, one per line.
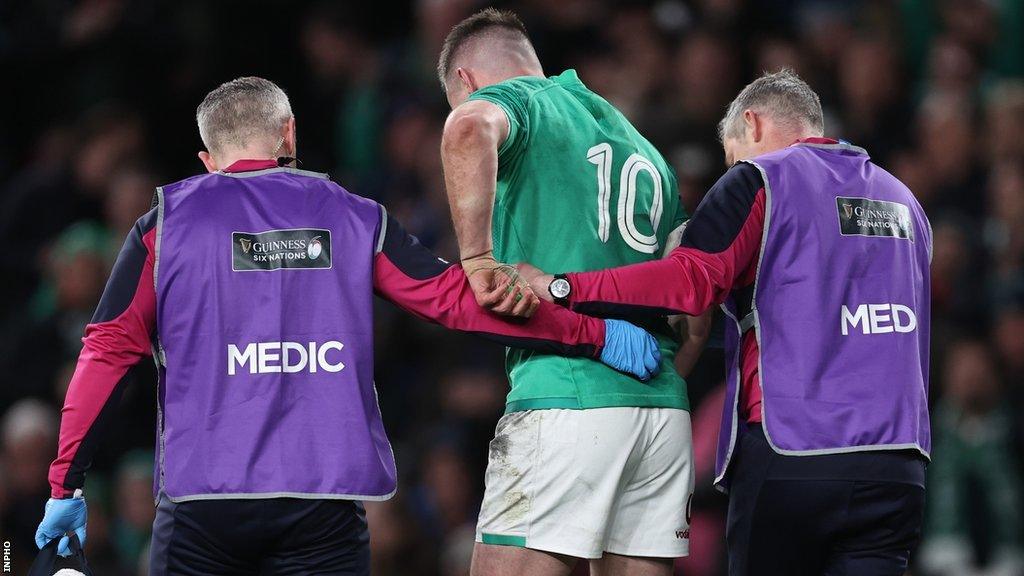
<point x="879" y="319"/>
<point x="285" y="357"/>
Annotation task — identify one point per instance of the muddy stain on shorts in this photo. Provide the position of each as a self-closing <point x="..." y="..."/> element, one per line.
<point x="511" y="427"/>
<point x="499" y="448"/>
<point x="511" y="451"/>
<point x="517" y="504"/>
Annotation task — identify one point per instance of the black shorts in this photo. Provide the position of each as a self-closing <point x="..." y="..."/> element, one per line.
<point x="837" y="515"/>
<point x="266" y="536"/>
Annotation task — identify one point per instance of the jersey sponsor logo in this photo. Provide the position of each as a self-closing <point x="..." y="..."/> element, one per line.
<point x="285" y="357"/>
<point x="281" y="249"/>
<point x="878" y="319"/>
<point x="863" y="217"/>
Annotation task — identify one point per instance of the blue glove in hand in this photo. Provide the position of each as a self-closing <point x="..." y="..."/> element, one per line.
<point x="62" y="516"/>
<point x="630" y="349"/>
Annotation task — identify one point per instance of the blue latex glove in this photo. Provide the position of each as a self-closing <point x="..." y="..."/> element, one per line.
<point x="630" y="349"/>
<point x="62" y="516"/>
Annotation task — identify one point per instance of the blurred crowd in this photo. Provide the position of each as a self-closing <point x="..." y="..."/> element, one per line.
<point x="101" y="95"/>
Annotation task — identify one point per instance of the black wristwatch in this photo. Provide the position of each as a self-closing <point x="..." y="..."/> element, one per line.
<point x="560" y="289"/>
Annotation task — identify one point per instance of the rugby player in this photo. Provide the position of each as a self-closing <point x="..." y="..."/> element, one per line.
<point x="252" y="287"/>
<point x="587" y="462"/>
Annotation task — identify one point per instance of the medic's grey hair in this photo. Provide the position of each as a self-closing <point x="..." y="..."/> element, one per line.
<point x="242" y="111"/>
<point x="782" y="95"/>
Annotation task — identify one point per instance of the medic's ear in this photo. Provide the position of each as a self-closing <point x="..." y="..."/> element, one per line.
<point x="754" y="125"/>
<point x="208" y="161"/>
<point x="290" y="146"/>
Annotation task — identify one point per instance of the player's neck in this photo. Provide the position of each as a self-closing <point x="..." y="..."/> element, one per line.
<point x="514" y="66"/>
<point x="526" y="69"/>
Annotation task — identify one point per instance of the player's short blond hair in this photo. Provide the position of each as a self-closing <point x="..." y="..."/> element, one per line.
<point x="486" y="21"/>
<point x="239" y="112"/>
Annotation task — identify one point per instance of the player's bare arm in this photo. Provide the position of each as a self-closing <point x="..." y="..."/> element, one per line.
<point x="469" y="151"/>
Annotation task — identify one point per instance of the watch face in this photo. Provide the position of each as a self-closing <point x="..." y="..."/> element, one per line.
<point x="559" y="288"/>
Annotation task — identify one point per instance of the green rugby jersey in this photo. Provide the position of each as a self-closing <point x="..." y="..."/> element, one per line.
<point x="579" y="189"/>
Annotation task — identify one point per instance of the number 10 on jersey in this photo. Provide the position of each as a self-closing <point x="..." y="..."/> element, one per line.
<point x="601" y="156"/>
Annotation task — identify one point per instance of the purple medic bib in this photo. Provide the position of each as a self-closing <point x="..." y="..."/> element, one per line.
<point x="264" y="284"/>
<point x="840" y="309"/>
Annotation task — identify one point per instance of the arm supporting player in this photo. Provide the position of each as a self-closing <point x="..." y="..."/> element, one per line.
<point x="719" y="251"/>
<point x="416" y="280"/>
<point x="469" y="151"/>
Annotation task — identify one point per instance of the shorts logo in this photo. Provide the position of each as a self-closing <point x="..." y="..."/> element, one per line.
<point x="277" y="249"/>
<point x="863" y="217"/>
<point x="684" y="534"/>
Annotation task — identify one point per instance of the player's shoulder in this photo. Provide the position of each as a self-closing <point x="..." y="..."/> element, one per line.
<point x="528" y="85"/>
<point x="519" y="90"/>
<point x="526" y="88"/>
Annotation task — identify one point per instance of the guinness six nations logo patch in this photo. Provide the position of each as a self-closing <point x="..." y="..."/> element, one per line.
<point x="277" y="249"/>
<point x="863" y="217"/>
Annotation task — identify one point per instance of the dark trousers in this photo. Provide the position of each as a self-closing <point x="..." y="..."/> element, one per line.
<point x="275" y="536"/>
<point x="836" y="515"/>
